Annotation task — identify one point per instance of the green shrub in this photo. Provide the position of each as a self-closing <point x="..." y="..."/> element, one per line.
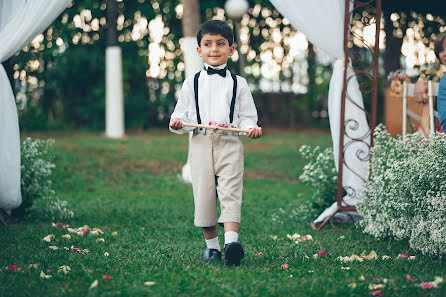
<point x="39" y="200"/>
<point x="406" y="192"/>
<point x="320" y="174"/>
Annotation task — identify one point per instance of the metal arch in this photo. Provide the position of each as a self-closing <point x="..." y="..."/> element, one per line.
<point x="372" y="88"/>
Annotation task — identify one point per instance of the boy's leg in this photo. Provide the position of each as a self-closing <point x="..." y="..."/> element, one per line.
<point x="205" y="200"/>
<point x="210" y="232"/>
<point x="229" y="169"/>
<point x="213" y="252"/>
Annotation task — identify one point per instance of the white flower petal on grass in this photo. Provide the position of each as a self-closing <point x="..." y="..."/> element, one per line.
<point x="65" y="269"/>
<point x="106" y="254"/>
<point x="66" y="236"/>
<point x="43" y="275"/>
<point x="48" y="238"/>
<point x="149" y="283"/>
<point x="53" y="247"/>
<point x="94" y="284"/>
<point x="114" y="234"/>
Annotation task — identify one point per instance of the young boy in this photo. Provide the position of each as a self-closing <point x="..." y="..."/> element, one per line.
<point x="215" y="95"/>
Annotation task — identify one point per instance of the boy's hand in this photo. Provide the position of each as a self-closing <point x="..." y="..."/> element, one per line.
<point x="175" y="124"/>
<point x="255" y="133"/>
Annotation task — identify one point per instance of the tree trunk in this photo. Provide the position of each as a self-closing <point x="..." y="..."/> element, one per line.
<point x="192" y="61"/>
<point x="114" y="106"/>
<point x="311" y="89"/>
<point x="392" y="52"/>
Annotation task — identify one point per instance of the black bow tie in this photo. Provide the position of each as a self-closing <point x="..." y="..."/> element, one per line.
<point x="221" y="72"/>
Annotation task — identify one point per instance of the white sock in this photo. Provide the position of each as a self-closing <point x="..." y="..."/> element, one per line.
<point x="231" y="236"/>
<point x="213" y="243"/>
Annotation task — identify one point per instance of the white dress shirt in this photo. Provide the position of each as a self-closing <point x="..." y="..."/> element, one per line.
<point x="214" y="101"/>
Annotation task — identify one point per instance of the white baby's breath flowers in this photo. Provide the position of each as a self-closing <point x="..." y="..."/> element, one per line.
<point x="406" y="192"/>
<point x="36" y="184"/>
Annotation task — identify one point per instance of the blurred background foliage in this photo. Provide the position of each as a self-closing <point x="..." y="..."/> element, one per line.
<point x="59" y="78"/>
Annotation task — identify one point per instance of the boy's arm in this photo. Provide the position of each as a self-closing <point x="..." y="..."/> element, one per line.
<point x="181" y="111"/>
<point x="247" y="112"/>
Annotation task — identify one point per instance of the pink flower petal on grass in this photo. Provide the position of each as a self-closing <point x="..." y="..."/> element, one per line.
<point x="322" y="253"/>
<point x="259" y="254"/>
<point x="13" y="268"/>
<point x="375" y="280"/>
<point x="75" y="249"/>
<point x="427" y="285"/>
<point x="404" y="256"/>
<point x="409" y="277"/>
<point x="377" y="293"/>
<point x="107" y="277"/>
<point x="284" y="266"/>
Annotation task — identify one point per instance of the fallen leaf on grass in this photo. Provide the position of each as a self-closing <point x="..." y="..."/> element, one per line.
<point x="385" y="257"/>
<point x="66" y="236"/>
<point x="149" y="283"/>
<point x="53" y="247"/>
<point x="114" y="234"/>
<point x="100" y="240"/>
<point x="48" y="238"/>
<point x="352" y="285"/>
<point x="94" y="284"/>
<point x="362" y="277"/>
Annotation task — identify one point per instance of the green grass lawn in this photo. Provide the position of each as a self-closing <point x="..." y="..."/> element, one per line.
<point x="132" y="187"/>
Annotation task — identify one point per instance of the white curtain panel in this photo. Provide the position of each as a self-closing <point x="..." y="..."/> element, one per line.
<point x="322" y="22"/>
<point x="20" y="22"/>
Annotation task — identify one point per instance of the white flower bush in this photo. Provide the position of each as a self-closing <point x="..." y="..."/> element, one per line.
<point x="406" y="192"/>
<point x="39" y="200"/>
<point x="319" y="173"/>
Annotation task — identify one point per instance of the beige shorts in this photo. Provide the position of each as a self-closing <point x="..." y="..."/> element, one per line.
<point x="217" y="171"/>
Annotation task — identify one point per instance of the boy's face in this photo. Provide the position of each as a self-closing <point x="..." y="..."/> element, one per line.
<point x="215" y="49"/>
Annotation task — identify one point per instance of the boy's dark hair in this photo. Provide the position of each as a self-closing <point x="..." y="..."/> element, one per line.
<point x="438" y="44"/>
<point x="215" y="27"/>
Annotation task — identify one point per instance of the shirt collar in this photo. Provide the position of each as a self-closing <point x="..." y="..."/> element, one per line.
<point x="215" y="67"/>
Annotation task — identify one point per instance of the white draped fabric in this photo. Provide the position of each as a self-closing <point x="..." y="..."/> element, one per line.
<point x="322" y="22"/>
<point x="20" y="22"/>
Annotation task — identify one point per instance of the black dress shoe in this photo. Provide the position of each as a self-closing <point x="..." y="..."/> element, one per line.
<point x="211" y="255"/>
<point x="233" y="253"/>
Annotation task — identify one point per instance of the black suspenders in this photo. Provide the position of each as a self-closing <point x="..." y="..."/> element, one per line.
<point x="234" y="93"/>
